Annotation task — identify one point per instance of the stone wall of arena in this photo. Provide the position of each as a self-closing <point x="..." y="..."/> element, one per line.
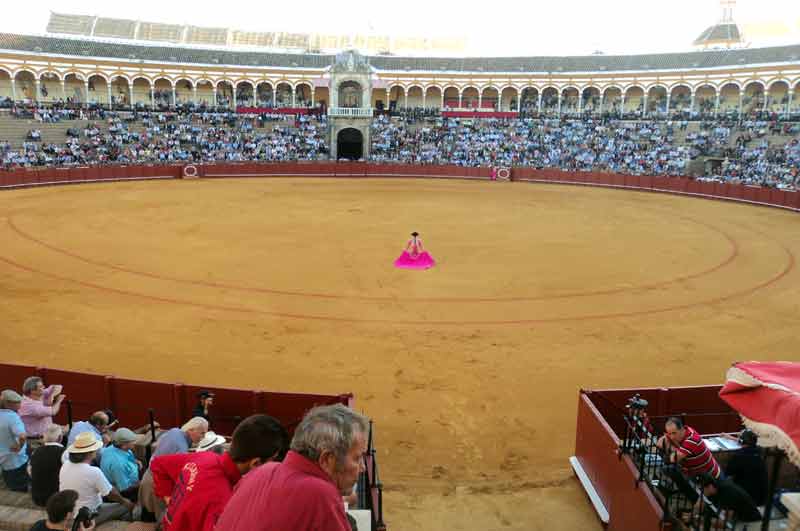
<point x="20" y="178"/>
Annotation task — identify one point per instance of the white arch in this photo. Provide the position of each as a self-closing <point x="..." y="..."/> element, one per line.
<point x="101" y="75"/>
<point x="778" y="80"/>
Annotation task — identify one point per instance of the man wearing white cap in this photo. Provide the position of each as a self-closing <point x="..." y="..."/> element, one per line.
<point x="120" y="466"/>
<point x="79" y="475"/>
<point x="13" y="454"/>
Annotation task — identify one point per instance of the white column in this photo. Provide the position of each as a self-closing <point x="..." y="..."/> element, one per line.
<point x="130" y="95"/>
<point x="580" y="102"/>
<point x="86" y="91"/>
<point x="716" y="104"/>
<point x="539" y="105"/>
<point x="600" y="107"/>
<point x="314" y="96"/>
<point x="789" y="103"/>
<point x="644" y="106"/>
<point x="214" y="90"/>
<point x="294" y="96"/>
<point x="13" y="89"/>
<point x="174" y="96"/>
<point x="460" y="98"/>
<point x="441" y="107"/>
<point x="691" y="103"/>
<point x="36" y="88"/>
<point x="622" y="104"/>
<point x="194" y="95"/>
<point x="559" y="103"/>
<point x="64" y="89"/>
<point x="108" y="86"/>
<point x="741" y="101"/>
<point x="405" y="98"/>
<point x="152" y="96"/>
<point x="519" y="101"/>
<point x="480" y="100"/>
<point x="233" y="97"/>
<point x="423" y="98"/>
<point x="388" y="96"/>
<point x="766" y="96"/>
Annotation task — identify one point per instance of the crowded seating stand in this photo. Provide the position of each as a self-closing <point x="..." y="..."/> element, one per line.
<point x="137" y="414"/>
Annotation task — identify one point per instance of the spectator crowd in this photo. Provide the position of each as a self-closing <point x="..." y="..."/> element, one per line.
<point x="258" y="480"/>
<point x="754" y="150"/>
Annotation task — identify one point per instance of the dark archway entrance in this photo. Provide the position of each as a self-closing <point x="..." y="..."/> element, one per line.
<point x="350" y="144"/>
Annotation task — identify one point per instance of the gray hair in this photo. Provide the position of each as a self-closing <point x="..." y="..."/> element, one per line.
<point x="53" y="433"/>
<point x="195" y="423"/>
<point x="330" y="428"/>
<point x="30" y="384"/>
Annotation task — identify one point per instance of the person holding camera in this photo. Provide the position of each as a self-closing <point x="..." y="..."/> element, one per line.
<point x="60" y="507"/>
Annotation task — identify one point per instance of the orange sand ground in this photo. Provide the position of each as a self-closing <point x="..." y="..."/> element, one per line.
<point x="471" y="370"/>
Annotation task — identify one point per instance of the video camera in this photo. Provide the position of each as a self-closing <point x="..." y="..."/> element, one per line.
<point x="83" y="519"/>
<point x="637" y="403"/>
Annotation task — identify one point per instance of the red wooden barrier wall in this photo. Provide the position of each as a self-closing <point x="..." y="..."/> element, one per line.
<point x="172" y="403"/>
<point x="37" y="177"/>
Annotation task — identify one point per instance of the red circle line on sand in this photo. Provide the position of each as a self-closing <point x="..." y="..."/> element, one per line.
<point x="723" y="298"/>
<point x="734" y="253"/>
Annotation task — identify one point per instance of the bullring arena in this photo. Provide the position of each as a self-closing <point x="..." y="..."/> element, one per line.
<point x="211" y="208"/>
<point x="470" y="370"/>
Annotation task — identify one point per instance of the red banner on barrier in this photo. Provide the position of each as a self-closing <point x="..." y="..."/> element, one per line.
<point x="763" y="195"/>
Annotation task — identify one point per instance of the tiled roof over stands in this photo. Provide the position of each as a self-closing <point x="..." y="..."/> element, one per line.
<point x="594" y="63"/>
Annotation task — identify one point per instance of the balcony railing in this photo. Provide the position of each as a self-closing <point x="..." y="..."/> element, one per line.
<point x="351" y="112"/>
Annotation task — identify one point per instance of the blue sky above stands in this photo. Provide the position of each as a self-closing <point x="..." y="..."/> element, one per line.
<point x="490" y="28"/>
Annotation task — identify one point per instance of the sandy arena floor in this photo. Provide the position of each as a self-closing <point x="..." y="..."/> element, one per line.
<point x="471" y="370"/>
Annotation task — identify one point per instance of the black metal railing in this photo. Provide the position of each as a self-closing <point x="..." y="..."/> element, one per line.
<point x="681" y="498"/>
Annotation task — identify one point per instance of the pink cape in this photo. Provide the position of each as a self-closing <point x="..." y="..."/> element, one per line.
<point x="409" y="261"/>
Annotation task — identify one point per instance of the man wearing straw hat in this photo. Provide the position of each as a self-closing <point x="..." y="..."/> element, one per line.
<point x="79" y="475"/>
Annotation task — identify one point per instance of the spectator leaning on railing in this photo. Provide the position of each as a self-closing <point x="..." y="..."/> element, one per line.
<point x="687" y="448"/>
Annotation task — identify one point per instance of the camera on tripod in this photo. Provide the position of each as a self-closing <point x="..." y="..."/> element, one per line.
<point x="637" y="404"/>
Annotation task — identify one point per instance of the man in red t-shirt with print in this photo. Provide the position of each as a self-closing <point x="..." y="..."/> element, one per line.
<point x="690" y="451"/>
<point x="197" y="486"/>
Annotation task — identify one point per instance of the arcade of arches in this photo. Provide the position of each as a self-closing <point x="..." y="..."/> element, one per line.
<point x="780" y="96"/>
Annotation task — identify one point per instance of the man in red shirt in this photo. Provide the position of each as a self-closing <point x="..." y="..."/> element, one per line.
<point x="197" y="486"/>
<point x="304" y="492"/>
<point x="690" y="451"/>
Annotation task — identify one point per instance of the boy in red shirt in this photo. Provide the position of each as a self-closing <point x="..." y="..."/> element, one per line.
<point x="197" y="486"/>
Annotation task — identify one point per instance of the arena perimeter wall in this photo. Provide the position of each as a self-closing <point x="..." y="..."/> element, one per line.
<point x="172" y="404"/>
<point x="674" y="185"/>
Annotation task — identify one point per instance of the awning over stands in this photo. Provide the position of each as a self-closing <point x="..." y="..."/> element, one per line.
<point x="767" y="396"/>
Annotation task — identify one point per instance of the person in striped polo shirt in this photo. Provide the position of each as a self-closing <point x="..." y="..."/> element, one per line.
<point x="688" y="449"/>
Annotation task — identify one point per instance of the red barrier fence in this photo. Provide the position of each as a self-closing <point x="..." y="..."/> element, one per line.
<point x="172" y="403"/>
<point x="677" y="185"/>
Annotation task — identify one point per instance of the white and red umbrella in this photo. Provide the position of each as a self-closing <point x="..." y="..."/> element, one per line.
<point x="767" y="396"/>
